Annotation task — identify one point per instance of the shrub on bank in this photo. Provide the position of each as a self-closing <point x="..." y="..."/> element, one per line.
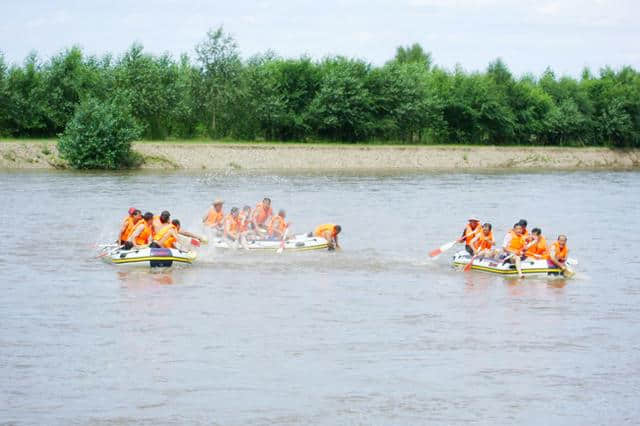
<point x="99" y="136"/>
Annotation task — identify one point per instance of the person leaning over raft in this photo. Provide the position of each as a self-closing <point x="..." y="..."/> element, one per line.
<point x="559" y="252"/>
<point x="128" y="224"/>
<point x="537" y="248"/>
<point x="168" y="235"/>
<point x="330" y="233"/>
<point x="215" y="215"/>
<point x="142" y="233"/>
<point x="472" y="229"/>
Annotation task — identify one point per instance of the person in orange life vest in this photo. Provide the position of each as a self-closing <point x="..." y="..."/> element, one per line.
<point x="558" y="252"/>
<point x="537" y="248"/>
<point x="483" y="242"/>
<point x="232" y="225"/>
<point x="168" y="236"/>
<point x="244" y="218"/>
<point x="128" y="224"/>
<point x="330" y="233"/>
<point x="215" y="215"/>
<point x="515" y="248"/>
<point x="525" y="233"/>
<point x="159" y="222"/>
<point x="472" y="229"/>
<point x="141" y="236"/>
<point x="261" y="214"/>
<point x="277" y="226"/>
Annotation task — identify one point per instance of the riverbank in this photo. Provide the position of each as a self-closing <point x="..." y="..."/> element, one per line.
<point x="39" y="154"/>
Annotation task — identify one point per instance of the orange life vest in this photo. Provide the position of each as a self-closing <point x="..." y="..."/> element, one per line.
<point x="322" y="229"/>
<point x="214" y="218"/>
<point x="170" y="241"/>
<point x="277" y="223"/>
<point x="483" y="241"/>
<point x="128" y="227"/>
<point x="560" y="253"/>
<point x="243" y="220"/>
<point x="230" y="225"/>
<point x="469" y="233"/>
<point x="516" y="244"/>
<point x="260" y="213"/>
<point x="538" y="250"/>
<point x="143" y="237"/>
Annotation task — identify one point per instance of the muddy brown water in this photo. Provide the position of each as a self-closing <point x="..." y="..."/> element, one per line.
<point x="374" y="334"/>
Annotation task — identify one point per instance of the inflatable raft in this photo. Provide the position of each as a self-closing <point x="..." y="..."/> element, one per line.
<point x="153" y="257"/>
<point x="302" y="242"/>
<point x="536" y="267"/>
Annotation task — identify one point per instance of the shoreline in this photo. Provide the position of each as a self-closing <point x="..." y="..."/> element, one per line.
<point x="253" y="156"/>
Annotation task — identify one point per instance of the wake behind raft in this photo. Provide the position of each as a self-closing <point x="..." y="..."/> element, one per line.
<point x="149" y="256"/>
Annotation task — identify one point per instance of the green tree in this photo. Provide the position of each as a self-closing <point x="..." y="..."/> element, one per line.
<point x="220" y="68"/>
<point x="99" y="136"/>
<point x="413" y="54"/>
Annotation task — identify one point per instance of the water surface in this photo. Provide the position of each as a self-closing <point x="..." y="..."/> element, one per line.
<point x="374" y="334"/>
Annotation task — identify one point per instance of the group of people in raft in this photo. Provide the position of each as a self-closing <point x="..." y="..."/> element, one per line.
<point x="519" y="244"/>
<point x="148" y="230"/>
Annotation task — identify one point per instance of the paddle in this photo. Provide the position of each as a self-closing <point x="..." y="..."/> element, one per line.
<point x="467" y="267"/>
<point x="107" y="252"/>
<point x="437" y="252"/>
<point x="284" y="237"/>
<point x="195" y="242"/>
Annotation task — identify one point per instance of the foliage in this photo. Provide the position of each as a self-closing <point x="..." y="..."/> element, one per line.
<point x="99" y="136"/>
<point x="217" y="94"/>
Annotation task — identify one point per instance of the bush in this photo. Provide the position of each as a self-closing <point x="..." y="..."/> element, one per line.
<point x="99" y="136"/>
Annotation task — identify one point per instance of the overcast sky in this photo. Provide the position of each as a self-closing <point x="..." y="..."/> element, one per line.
<point x="528" y="35"/>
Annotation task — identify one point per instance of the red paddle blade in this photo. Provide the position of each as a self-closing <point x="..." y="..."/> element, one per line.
<point x="436" y="252"/>
<point x="467" y="267"/>
<point x="195" y="242"/>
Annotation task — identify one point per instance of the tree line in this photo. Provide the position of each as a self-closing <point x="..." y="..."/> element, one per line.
<point x="217" y="94"/>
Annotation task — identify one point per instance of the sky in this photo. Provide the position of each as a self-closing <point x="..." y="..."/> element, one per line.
<point x="529" y="36"/>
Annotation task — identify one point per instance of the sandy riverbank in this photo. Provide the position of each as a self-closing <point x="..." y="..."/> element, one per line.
<point x="316" y="157"/>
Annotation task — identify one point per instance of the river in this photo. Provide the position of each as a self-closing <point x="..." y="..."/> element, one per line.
<point x="373" y="334"/>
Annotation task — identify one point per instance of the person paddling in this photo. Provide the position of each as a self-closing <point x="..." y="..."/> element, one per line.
<point x="483" y="242"/>
<point x="472" y="229"/>
<point x="215" y="215"/>
<point x="142" y="233"/>
<point x="261" y="214"/>
<point x="559" y="252"/>
<point x="128" y="224"/>
<point x="330" y="233"/>
<point x="232" y="225"/>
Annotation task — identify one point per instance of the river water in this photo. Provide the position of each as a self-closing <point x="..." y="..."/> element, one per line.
<point x="373" y="334"/>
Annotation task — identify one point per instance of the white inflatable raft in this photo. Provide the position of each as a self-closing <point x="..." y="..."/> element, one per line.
<point x="153" y="257"/>
<point x="302" y="242"/>
<point x="536" y="267"/>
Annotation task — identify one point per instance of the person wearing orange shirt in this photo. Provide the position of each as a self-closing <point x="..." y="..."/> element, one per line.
<point x="330" y="233"/>
<point x="472" y="229"/>
<point x="215" y="215"/>
<point x="483" y="242"/>
<point x="515" y="247"/>
<point x="128" y="224"/>
<point x="559" y="252"/>
<point x="261" y="214"/>
<point x="537" y="248"/>
<point x="277" y="226"/>
<point x="142" y="234"/>
<point x="167" y="237"/>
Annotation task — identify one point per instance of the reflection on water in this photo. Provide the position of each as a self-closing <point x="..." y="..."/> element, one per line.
<point x="376" y="333"/>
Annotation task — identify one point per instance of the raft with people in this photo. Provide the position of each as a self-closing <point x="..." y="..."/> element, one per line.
<point x="154" y="257"/>
<point x="529" y="267"/>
